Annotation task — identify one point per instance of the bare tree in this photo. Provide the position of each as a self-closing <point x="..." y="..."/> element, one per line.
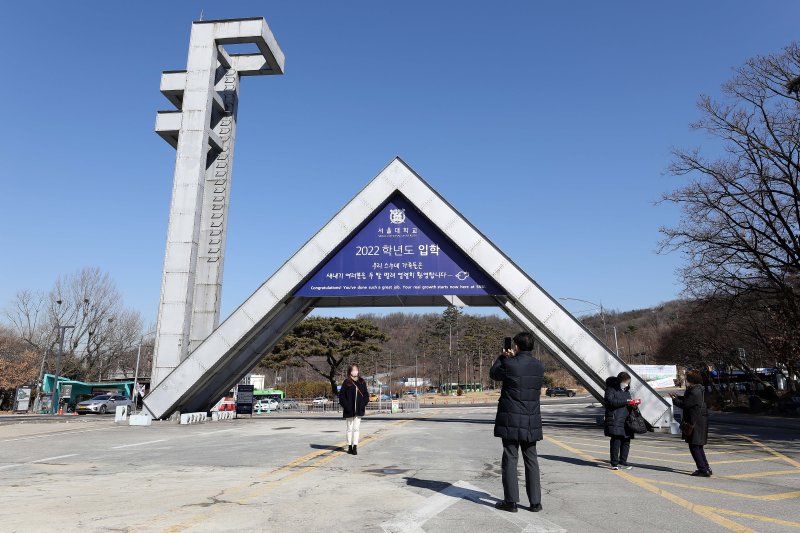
<point x="104" y="332"/>
<point x="740" y="225"/>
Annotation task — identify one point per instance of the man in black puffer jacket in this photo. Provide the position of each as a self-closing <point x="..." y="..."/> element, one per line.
<point x="519" y="419"/>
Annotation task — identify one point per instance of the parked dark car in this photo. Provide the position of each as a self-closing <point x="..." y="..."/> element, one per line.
<point x="560" y="391"/>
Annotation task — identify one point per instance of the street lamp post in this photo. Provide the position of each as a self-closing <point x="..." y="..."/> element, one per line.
<point x="135" y="391"/>
<point x="602" y="317"/>
<point x="56" y="388"/>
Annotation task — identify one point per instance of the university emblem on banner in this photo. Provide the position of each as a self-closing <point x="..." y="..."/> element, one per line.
<point x="397" y="216"/>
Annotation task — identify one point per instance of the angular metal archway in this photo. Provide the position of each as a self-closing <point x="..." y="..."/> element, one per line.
<point x="237" y="345"/>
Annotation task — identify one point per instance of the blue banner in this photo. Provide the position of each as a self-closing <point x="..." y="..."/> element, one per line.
<point x="399" y="252"/>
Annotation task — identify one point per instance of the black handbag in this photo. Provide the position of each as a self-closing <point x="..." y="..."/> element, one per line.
<point x="635" y="423"/>
<point x="686" y="428"/>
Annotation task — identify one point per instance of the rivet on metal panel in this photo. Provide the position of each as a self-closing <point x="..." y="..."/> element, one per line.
<point x="580" y="337"/>
<point x="424" y="205"/>
<point x="503" y="264"/>
<point x="367" y="204"/>
<point x="523" y="293"/>
<point x="403" y="183"/>
<point x="296" y="271"/>
<point x="319" y="247"/>
<point x="548" y="317"/>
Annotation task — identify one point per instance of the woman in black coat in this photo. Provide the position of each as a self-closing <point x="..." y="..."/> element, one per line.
<point x="694" y="425"/>
<point x="618" y="402"/>
<point x="353" y="397"/>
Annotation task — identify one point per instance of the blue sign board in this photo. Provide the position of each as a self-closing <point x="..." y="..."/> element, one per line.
<point x="399" y="252"/>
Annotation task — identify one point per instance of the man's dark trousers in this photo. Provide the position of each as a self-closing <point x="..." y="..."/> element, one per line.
<point x="510" y="481"/>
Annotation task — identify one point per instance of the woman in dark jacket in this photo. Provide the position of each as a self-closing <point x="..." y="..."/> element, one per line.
<point x="694" y="425"/>
<point x="353" y="397"/>
<point x="618" y="401"/>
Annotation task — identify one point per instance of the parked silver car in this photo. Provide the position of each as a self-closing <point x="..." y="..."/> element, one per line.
<point x="104" y="403"/>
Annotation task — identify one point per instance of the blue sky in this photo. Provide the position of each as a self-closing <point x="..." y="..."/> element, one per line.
<point x="549" y="125"/>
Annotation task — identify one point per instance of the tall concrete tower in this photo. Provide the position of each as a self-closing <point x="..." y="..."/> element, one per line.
<point x="202" y="129"/>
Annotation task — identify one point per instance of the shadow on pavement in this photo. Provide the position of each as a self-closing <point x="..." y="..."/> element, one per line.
<point x="326" y="447"/>
<point x="606" y="464"/>
<point x="474" y="496"/>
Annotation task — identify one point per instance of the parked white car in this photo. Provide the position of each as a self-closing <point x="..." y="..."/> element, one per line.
<point x="321" y="400"/>
<point x="266" y="405"/>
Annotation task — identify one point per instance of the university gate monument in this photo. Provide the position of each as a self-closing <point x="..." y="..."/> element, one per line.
<point x="396" y="243"/>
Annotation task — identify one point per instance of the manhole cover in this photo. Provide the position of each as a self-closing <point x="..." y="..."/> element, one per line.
<point x="287" y="427"/>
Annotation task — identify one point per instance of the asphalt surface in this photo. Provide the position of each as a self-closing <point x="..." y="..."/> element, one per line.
<point x="436" y="470"/>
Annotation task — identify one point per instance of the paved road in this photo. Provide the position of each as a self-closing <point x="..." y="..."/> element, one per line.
<point x="436" y="471"/>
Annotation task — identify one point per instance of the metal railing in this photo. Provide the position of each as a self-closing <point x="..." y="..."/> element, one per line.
<point x="331" y="407"/>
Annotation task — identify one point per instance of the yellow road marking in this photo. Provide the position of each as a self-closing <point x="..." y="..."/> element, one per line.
<point x="268" y="485"/>
<point x="605" y="440"/>
<point x="766" y="497"/>
<point x="769" y="519"/>
<point x="776" y="453"/>
<point x="670" y="454"/>
<point x="761" y="474"/>
<point x="706" y="512"/>
<point x="638" y="456"/>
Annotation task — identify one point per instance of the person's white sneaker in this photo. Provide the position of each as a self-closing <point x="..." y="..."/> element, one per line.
<point x="625" y="467"/>
<point x="614" y="468"/>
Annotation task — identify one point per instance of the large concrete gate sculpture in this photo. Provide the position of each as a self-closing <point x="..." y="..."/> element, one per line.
<point x="317" y="276"/>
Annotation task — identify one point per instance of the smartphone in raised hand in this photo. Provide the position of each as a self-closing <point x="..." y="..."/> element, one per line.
<point x="507" y="344"/>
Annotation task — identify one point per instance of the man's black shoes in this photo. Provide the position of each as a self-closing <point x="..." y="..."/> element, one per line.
<point x="511" y="507"/>
<point x="536" y="508"/>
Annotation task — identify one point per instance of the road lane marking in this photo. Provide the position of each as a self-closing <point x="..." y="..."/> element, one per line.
<point x="38" y="461"/>
<point x="761" y="474"/>
<point x="137" y="444"/>
<point x="647" y="457"/>
<point x="54" y="458"/>
<point x="53" y="433"/>
<point x="262" y="485"/>
<point x="683" y="454"/>
<point x="215" y="432"/>
<point x="706" y="512"/>
<point x="460" y="490"/>
<point x="765" y="497"/>
<point x="774" y="452"/>
<point x="759" y="517"/>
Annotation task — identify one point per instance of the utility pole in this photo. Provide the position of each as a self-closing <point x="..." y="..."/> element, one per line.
<point x="56" y="388"/>
<point x="136" y="372"/>
<point x="602" y="317"/>
<point x="416" y="376"/>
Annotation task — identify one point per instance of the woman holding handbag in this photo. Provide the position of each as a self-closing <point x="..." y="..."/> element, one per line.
<point x="353" y="397"/>
<point x="618" y="403"/>
<point x="694" y="425"/>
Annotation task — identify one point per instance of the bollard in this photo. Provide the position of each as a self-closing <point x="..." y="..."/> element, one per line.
<point x="140" y="420"/>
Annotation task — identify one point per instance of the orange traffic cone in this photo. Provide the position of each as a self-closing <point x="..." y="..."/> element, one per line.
<point x="61" y="410"/>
